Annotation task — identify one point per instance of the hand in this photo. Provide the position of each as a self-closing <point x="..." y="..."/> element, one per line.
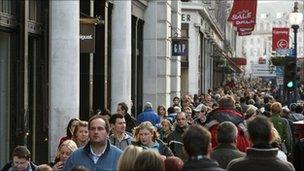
<point x="58" y="166"/>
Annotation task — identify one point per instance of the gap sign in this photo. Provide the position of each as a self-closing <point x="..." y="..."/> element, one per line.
<point x="179" y="47"/>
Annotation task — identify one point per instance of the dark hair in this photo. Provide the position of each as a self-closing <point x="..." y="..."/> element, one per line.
<point x="123" y="106"/>
<point x="259" y="129"/>
<point x="226" y="132"/>
<point x="171" y="110"/>
<point x="22" y="152"/>
<point x="100" y="117"/>
<point x="105" y="112"/>
<point x="299" y="109"/>
<point x="173" y="163"/>
<point x="113" y="118"/>
<point x="196" y="140"/>
<point x="68" y="131"/>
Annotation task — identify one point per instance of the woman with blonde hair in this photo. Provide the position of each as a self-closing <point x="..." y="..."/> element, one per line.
<point x="146" y="136"/>
<point x="63" y="153"/>
<point x="127" y="159"/>
<point x="149" y="160"/>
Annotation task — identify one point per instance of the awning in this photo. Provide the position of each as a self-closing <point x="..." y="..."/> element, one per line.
<point x="232" y="64"/>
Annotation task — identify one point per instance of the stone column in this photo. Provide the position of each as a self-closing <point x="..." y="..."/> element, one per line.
<point x="64" y="69"/>
<point x="175" y="60"/>
<point x="121" y="53"/>
<point x="194" y="46"/>
<point x="157" y="53"/>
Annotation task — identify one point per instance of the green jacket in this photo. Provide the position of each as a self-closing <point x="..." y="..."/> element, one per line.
<point x="283" y="128"/>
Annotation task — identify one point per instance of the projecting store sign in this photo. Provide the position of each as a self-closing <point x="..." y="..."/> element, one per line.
<point x="179" y="47"/>
<point x="87" y="38"/>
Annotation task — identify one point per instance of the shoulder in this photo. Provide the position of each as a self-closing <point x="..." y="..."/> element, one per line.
<point x="115" y="150"/>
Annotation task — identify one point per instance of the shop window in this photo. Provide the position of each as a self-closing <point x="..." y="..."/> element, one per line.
<point x="8" y="6"/>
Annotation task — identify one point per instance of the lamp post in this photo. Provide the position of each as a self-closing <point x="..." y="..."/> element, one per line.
<point x="295" y="19"/>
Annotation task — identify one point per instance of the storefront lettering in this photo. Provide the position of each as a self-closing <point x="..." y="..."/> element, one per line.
<point x="186" y="17"/>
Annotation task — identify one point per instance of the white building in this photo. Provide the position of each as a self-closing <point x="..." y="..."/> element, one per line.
<point x="259" y="44"/>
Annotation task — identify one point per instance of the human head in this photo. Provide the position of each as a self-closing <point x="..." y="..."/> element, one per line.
<point x="148" y="105"/>
<point x="176" y="101"/>
<point x="122" y="108"/>
<point x="173" y="163"/>
<point x="127" y="159"/>
<point x="276" y="108"/>
<point x="227" y="102"/>
<point x="275" y="138"/>
<point x="44" y="167"/>
<point x="181" y="119"/>
<point x="196" y="140"/>
<point x="81" y="132"/>
<point x="145" y="133"/>
<point x="227" y="133"/>
<point x="70" y="128"/>
<point x="166" y="125"/>
<point x="161" y="110"/>
<point x="98" y="129"/>
<point x="250" y="112"/>
<point x="65" y="150"/>
<point x="118" y="123"/>
<point x="259" y="129"/>
<point x="21" y="158"/>
<point x="149" y="160"/>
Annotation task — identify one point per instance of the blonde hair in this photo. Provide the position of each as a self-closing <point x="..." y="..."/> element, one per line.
<point x="70" y="144"/>
<point x="127" y="159"/>
<point x="275" y="138"/>
<point x="148" y="160"/>
<point x="168" y="122"/>
<point x="145" y="125"/>
<point x="44" y="167"/>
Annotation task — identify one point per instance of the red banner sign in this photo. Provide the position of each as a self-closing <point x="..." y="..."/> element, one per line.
<point x="243" y="16"/>
<point x="280" y="38"/>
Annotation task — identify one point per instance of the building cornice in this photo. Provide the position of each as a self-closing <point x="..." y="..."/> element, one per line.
<point x="202" y="10"/>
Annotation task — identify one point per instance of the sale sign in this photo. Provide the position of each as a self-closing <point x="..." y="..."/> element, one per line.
<point x="280" y="38"/>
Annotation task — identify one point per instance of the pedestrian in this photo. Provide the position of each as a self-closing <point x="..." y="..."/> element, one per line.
<point x="81" y="134"/>
<point x="148" y="115"/>
<point x="127" y="159"/>
<point x="173" y="163"/>
<point x="196" y="142"/>
<point x="119" y="137"/>
<point x="149" y="160"/>
<point x="131" y="122"/>
<point x="261" y="156"/>
<point x="161" y="111"/>
<point x="21" y="160"/>
<point x="63" y="153"/>
<point x="146" y="136"/>
<point x="226" y="149"/>
<point x="69" y="130"/>
<point x="175" y="139"/>
<point x="99" y="153"/>
<point x="44" y="167"/>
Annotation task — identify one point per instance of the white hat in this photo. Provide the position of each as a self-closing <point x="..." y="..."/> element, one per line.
<point x="200" y="107"/>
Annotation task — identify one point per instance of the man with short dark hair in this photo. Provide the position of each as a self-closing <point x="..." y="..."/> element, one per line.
<point x="226" y="149"/>
<point x="175" y="138"/>
<point x="197" y="145"/>
<point x="99" y="153"/>
<point x="119" y="137"/>
<point x="21" y="160"/>
<point x="261" y="156"/>
<point x="131" y="122"/>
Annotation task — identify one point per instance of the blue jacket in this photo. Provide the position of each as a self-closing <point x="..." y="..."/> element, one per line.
<point x="148" y="115"/>
<point x="83" y="157"/>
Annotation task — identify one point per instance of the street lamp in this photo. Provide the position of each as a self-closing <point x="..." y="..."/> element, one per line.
<point x="295" y="20"/>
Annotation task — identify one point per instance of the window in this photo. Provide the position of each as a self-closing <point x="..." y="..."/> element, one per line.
<point x="279" y="15"/>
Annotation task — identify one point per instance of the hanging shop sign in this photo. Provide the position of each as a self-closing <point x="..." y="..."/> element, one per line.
<point x="239" y="61"/>
<point x="280" y="38"/>
<point x="87" y="37"/>
<point x="243" y="16"/>
<point x="180" y="47"/>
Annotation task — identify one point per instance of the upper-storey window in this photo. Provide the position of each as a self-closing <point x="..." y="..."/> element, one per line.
<point x="8" y="7"/>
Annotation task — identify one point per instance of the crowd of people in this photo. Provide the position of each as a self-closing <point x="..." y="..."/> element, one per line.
<point x="239" y="127"/>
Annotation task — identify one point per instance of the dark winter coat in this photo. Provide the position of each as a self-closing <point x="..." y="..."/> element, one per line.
<point x="203" y="164"/>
